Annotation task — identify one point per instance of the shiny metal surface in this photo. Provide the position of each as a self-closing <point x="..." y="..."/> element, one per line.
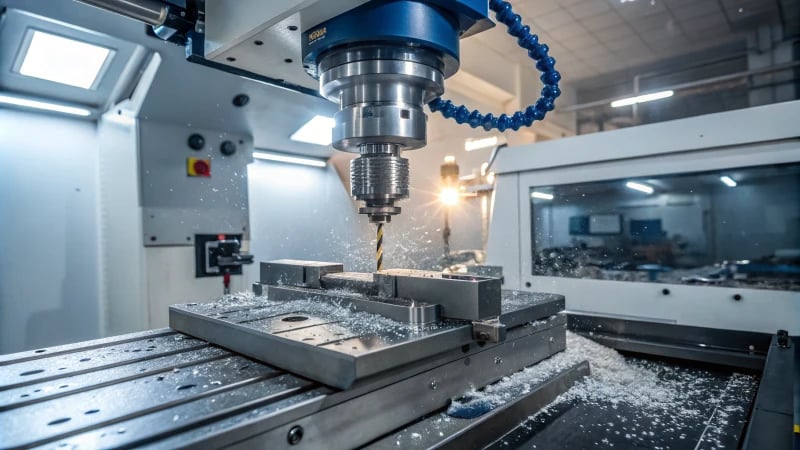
<point x="433" y="432"/>
<point x="162" y="389"/>
<point x="407" y="399"/>
<point x="381" y="91"/>
<point x="379" y="177"/>
<point x="489" y="330"/>
<point x="327" y="336"/>
<point x="151" y="12"/>
<point x="359" y="282"/>
<point x="379" y="180"/>
<point x="297" y="273"/>
<point x="517" y="307"/>
<point x="325" y="342"/>
<point x="135" y="390"/>
<point x="776" y="410"/>
<point x="400" y="310"/>
<point x="380" y="95"/>
<point x="461" y="297"/>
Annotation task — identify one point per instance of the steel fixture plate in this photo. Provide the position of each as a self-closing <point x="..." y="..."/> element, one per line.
<point x="329" y="342"/>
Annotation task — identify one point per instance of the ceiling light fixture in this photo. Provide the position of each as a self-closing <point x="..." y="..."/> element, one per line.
<point x="318" y="130"/>
<point x="730" y="182"/>
<point x="477" y="144"/>
<point x="642" y="99"/>
<point x="639" y="187"/>
<point x="63" y="60"/>
<point x="46" y="106"/>
<point x="542" y="195"/>
<point x="268" y="156"/>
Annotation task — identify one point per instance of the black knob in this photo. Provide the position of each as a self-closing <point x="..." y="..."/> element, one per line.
<point x="196" y="142"/>
<point x="227" y="148"/>
<point x="737" y="297"/>
<point x="241" y="100"/>
<point x="665" y="291"/>
<point x="295" y="435"/>
<point x="783" y="339"/>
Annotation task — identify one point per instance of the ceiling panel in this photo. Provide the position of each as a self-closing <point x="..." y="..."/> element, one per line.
<point x="630" y="32"/>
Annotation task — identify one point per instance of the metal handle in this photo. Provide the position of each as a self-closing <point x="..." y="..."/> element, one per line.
<point x="151" y="12"/>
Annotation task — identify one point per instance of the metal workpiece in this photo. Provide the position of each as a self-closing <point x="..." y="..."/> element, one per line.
<point x="339" y="338"/>
<point x="519" y="306"/>
<point x="409" y="398"/>
<point x="297" y="273"/>
<point x="164" y="389"/>
<point x="400" y="310"/>
<point x="322" y="341"/>
<point x="461" y="297"/>
<point x="356" y="282"/>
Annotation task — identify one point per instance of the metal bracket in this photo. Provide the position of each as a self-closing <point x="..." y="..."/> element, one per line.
<point x="489" y="330"/>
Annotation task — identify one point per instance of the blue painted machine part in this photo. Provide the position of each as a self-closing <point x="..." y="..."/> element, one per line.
<point x="438" y="25"/>
<point x="397" y="21"/>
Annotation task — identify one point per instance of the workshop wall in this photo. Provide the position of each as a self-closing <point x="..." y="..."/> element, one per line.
<point x="49" y="251"/>
<point x="305" y="213"/>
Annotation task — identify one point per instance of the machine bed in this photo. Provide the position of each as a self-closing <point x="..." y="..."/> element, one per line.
<point x="310" y="366"/>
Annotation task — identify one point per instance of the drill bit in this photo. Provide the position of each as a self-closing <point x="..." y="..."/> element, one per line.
<point x="379" y="248"/>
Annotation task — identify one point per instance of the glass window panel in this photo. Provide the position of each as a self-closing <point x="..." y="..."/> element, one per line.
<point x="733" y="228"/>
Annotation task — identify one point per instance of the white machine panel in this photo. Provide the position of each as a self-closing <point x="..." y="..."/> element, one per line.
<point x="233" y="33"/>
<point x="177" y="206"/>
<point x="641" y="153"/>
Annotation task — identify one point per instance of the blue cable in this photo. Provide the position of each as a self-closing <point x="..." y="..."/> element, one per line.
<point x="544" y="63"/>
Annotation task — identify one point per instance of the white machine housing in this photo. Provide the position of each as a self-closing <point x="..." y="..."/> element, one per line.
<point x="231" y="32"/>
<point x="742" y="138"/>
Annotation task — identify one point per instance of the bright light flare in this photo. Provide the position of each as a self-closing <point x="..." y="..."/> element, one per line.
<point x="730" y="182"/>
<point x="449" y="196"/>
<point x="642" y="99"/>
<point x="289" y="159"/>
<point x="639" y="187"/>
<point x="47" y="106"/>
<point x="542" y="195"/>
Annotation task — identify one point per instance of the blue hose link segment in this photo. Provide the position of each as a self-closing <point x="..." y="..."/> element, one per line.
<point x="546" y="64"/>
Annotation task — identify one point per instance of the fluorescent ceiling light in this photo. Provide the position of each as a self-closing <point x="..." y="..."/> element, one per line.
<point x="475" y="144"/>
<point x="318" y="130"/>
<point x="289" y="159"/>
<point x="47" y="106"/>
<point x="642" y="98"/>
<point x="541" y="195"/>
<point x="640" y="187"/>
<point x="62" y="60"/>
<point x="728" y="181"/>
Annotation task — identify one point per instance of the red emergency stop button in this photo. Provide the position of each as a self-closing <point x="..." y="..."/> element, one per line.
<point x="198" y="167"/>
